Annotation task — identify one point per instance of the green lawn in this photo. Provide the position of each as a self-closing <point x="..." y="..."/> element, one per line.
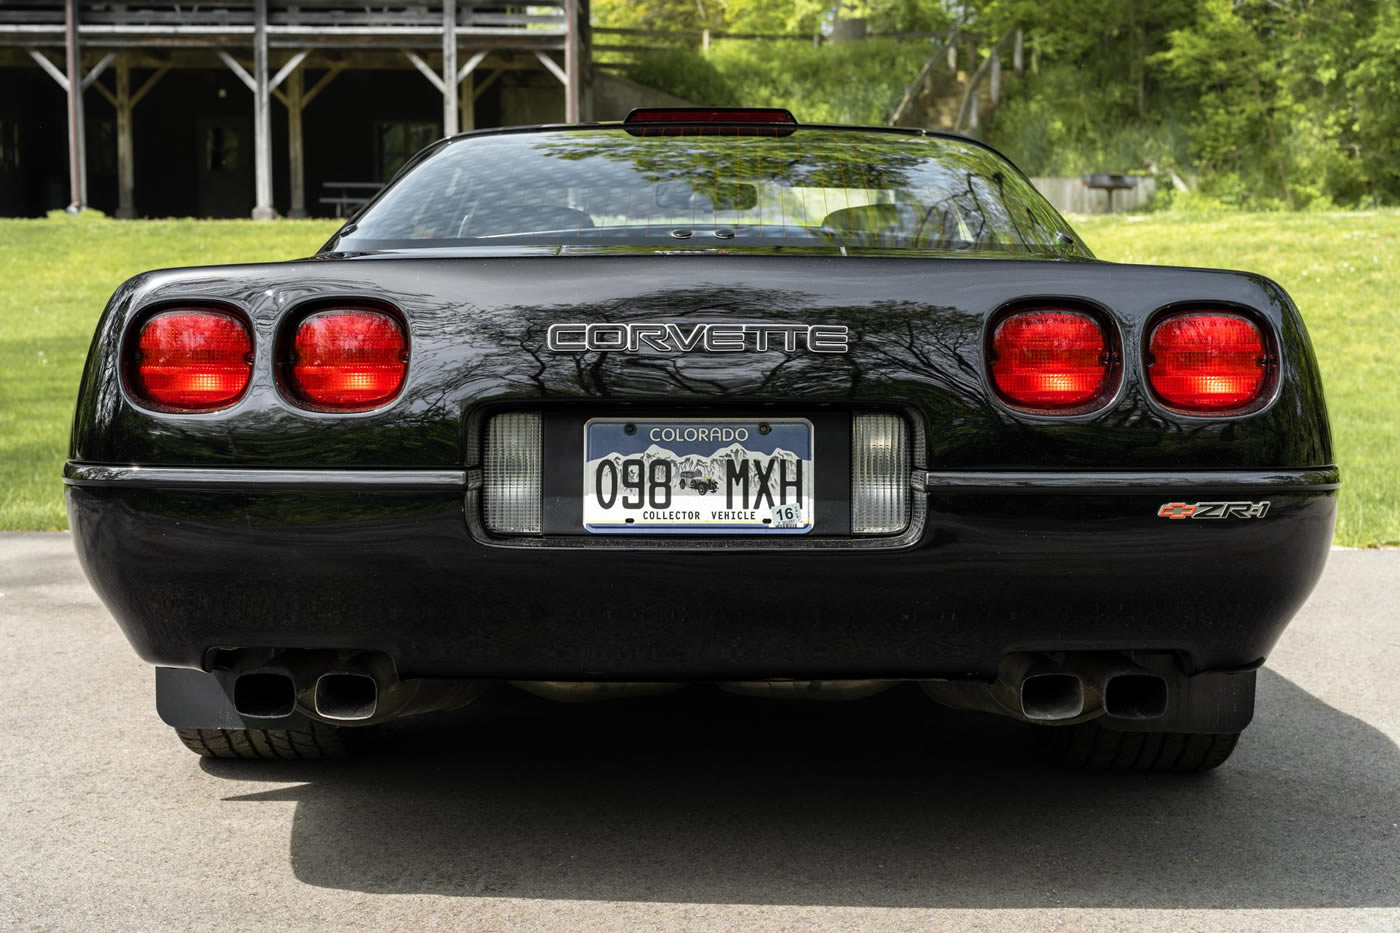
<point x="1342" y="269"/>
<point x="55" y="278"/>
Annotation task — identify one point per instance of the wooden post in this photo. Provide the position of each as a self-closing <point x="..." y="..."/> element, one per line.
<point x="571" y="63"/>
<point x="126" y="171"/>
<point x="705" y="41"/>
<point x="953" y="59"/>
<point x="1018" y="55"/>
<point x="262" y="122"/>
<point x="449" y="67"/>
<point x="77" y="143"/>
<point x="296" y="155"/>
<point x="466" y="99"/>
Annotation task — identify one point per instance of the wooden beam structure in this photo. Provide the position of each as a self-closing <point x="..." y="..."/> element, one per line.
<point x="262" y="118"/>
<point x="490" y="80"/>
<point x="572" y="74"/>
<point x="923" y="80"/>
<point x="126" y="166"/>
<point x="77" y="143"/>
<point x="426" y="70"/>
<point x="296" y="99"/>
<point x="969" y="114"/>
<point x="296" y="152"/>
<point x="449" y="67"/>
<point x="553" y="68"/>
<point x="463" y="48"/>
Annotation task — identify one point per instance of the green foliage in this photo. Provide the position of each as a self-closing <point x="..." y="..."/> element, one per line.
<point x="845" y="82"/>
<point x="805" y="17"/>
<point x="687" y="74"/>
<point x="1271" y="104"/>
<point x="1374" y="83"/>
<point x="1271" y="117"/>
<point x="1050" y="127"/>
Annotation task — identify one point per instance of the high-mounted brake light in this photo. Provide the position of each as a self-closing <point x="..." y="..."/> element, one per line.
<point x="1207" y="362"/>
<point x="191" y="360"/>
<point x="1051" y="360"/>
<point x="710" y="115"/>
<point x="348" y="359"/>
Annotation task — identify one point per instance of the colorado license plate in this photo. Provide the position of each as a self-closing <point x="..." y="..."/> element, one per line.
<point x="698" y="476"/>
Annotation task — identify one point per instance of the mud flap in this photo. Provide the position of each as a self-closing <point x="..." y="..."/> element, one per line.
<point x="189" y="699"/>
<point x="1217" y="702"/>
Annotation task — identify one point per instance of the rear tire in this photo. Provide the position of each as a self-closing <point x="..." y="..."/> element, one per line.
<point x="1091" y="747"/>
<point x="317" y="741"/>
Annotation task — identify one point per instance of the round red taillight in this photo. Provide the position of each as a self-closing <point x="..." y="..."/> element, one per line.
<point x="348" y="359"/>
<point x="1207" y="362"/>
<point x="191" y="360"/>
<point x="1050" y="360"/>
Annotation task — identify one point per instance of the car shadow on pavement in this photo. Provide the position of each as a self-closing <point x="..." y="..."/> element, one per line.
<point x="707" y="798"/>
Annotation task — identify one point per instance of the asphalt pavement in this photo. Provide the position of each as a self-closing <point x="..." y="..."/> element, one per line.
<point x="695" y="811"/>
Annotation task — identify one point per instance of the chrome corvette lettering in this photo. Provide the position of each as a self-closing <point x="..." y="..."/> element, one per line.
<point x="688" y="343"/>
<point x="724" y="338"/>
<point x="688" y="338"/>
<point x="826" y="338"/>
<point x="1209" y="510"/>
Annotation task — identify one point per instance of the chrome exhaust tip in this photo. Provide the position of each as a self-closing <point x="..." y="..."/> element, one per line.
<point x="264" y="694"/>
<point x="1135" y="695"/>
<point x="346" y="695"/>
<point x="1051" y="695"/>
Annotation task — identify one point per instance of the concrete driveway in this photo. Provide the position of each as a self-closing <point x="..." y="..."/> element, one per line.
<point x="692" y="811"/>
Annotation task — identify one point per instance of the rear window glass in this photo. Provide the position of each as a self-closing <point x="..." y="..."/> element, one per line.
<point x="811" y="187"/>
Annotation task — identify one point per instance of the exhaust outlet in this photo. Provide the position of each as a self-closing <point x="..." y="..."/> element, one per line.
<point x="1135" y="695"/>
<point x="264" y="694"/>
<point x="1048" y="695"/>
<point x="346" y="696"/>
<point x="361" y="689"/>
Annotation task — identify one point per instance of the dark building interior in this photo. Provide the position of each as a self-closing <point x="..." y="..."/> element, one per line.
<point x="192" y="136"/>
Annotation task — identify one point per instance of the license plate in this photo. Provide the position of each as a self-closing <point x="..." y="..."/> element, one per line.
<point x="698" y="476"/>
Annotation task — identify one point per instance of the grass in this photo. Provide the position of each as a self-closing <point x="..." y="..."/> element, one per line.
<point x="57" y="275"/>
<point x="1342" y="269"/>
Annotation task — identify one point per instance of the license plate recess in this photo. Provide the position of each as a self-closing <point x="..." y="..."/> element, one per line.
<point x="699" y="476"/>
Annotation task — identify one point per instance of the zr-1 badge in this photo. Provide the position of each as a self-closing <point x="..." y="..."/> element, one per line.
<point x="1214" y="510"/>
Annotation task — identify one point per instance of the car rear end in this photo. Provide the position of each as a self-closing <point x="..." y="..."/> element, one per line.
<point x="852" y="409"/>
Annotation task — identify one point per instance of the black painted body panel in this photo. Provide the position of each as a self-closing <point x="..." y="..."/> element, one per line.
<point x="186" y="569"/>
<point x="477" y="329"/>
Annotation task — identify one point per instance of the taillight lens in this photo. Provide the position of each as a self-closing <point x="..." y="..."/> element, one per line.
<point x="348" y="359"/>
<point x="192" y="360"/>
<point x="1207" y="361"/>
<point x="1050" y="360"/>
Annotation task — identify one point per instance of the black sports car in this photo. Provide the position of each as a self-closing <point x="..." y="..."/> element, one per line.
<point x="705" y="396"/>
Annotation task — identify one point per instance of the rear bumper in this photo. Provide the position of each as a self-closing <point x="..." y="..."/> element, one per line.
<point x="190" y="560"/>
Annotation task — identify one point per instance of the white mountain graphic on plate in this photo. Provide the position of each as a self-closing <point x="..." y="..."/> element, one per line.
<point x="713" y="465"/>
